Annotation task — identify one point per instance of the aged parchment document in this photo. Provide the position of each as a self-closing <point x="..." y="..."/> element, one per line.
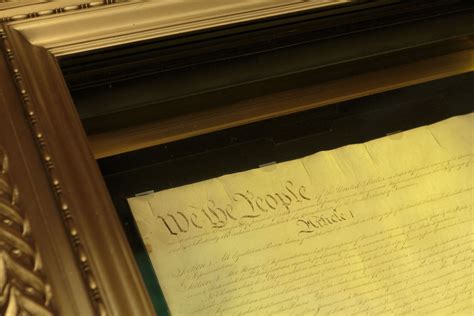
<point x="384" y="227"/>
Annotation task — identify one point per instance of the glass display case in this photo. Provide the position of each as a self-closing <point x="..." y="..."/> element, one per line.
<point x="100" y="105"/>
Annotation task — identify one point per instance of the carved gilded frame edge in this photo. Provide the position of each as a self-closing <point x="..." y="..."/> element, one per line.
<point x="102" y="278"/>
<point x="88" y="267"/>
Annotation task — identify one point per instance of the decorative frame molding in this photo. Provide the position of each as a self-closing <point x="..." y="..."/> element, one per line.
<point x="45" y="11"/>
<point x="18" y="301"/>
<point x="85" y="253"/>
<point x="54" y="180"/>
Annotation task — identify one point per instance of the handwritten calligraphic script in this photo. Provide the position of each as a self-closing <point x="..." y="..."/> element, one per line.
<point x="384" y="227"/>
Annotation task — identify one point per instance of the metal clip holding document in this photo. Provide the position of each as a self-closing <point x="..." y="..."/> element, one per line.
<point x="267" y="164"/>
<point x="145" y="193"/>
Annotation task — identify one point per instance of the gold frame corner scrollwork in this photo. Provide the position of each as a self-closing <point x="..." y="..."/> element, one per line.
<point x="23" y="287"/>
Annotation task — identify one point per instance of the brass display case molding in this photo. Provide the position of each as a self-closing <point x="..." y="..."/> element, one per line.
<point x="55" y="182"/>
<point x="132" y="21"/>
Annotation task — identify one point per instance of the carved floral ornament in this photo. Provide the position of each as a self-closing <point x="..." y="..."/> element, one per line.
<point x="23" y="289"/>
